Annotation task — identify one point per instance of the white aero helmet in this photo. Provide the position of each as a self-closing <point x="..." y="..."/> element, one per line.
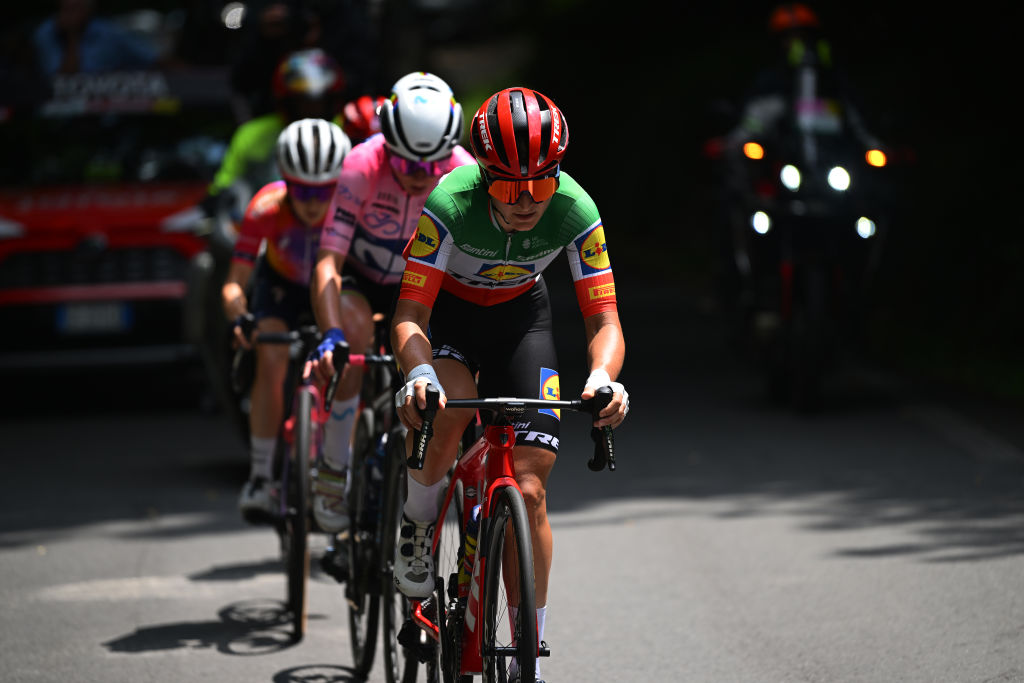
<point x="311" y="151"/>
<point x="421" y="121"/>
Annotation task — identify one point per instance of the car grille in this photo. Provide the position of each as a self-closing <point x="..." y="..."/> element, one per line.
<point x="82" y="267"/>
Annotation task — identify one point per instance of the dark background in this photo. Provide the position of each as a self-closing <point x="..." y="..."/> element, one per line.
<point x="645" y="84"/>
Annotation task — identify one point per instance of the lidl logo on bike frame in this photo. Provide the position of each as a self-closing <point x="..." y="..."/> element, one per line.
<point x="504" y="271"/>
<point x="549" y="391"/>
<point x="427" y="240"/>
<point x="593" y="251"/>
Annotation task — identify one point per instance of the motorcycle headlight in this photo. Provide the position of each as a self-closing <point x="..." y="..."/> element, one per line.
<point x="866" y="227"/>
<point x="761" y="222"/>
<point x="790" y="177"/>
<point x="839" y="179"/>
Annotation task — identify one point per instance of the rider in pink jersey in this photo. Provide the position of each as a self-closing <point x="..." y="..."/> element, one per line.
<point x="381" y="190"/>
<point x="286" y="216"/>
<point x="373" y="215"/>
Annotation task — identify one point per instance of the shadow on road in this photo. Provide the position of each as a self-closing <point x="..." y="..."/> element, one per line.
<point x="245" y="628"/>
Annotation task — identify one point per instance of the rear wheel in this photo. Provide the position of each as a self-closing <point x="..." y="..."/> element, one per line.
<point x="362" y="589"/>
<point x="400" y="664"/>
<point x="296" y="520"/>
<point x="508" y="608"/>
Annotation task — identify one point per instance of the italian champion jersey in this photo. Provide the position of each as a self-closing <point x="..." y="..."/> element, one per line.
<point x="460" y="247"/>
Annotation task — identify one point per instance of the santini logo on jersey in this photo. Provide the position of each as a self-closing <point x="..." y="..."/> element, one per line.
<point x="500" y="272"/>
<point x="593" y="251"/>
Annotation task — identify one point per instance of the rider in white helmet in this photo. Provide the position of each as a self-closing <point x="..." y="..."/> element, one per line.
<point x="381" y="190"/>
<point x="287" y="217"/>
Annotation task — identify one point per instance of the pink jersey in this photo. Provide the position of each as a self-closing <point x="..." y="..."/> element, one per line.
<point x="371" y="218"/>
<point x="291" y="246"/>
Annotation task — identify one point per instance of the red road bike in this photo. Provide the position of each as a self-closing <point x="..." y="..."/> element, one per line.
<point x="482" y="616"/>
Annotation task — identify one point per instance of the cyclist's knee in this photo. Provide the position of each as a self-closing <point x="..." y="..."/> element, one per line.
<point x="356" y="322"/>
<point x="534" y="494"/>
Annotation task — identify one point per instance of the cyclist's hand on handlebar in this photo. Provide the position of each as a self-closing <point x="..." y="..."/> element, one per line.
<point x="412" y="398"/>
<point x="321" y="362"/>
<point x="242" y="331"/>
<point x="615" y="412"/>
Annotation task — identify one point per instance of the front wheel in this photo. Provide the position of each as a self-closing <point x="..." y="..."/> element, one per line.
<point x="509" y="602"/>
<point x="362" y="587"/>
<point x="400" y="665"/>
<point x="297" y="514"/>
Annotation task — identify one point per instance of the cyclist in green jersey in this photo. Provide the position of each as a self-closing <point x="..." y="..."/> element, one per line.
<point x="473" y="279"/>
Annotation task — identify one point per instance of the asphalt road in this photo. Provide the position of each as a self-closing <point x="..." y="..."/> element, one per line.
<point x="880" y="540"/>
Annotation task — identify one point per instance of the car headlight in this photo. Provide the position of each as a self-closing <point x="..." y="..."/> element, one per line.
<point x="839" y="178"/>
<point x="790" y="177"/>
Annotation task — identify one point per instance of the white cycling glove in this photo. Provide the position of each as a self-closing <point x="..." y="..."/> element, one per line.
<point x="426" y="370"/>
<point x="600" y="378"/>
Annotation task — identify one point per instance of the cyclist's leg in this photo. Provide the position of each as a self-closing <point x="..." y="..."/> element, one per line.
<point x="329" y="506"/>
<point x="414" y="570"/>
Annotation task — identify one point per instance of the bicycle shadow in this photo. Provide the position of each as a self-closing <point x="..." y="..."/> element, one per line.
<point x="246" y="628"/>
<point x="316" y="673"/>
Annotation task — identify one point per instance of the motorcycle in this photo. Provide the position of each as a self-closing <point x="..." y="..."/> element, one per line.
<point x="806" y="220"/>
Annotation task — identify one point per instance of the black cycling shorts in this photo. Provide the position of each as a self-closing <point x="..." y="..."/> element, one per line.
<point x="275" y="296"/>
<point x="382" y="298"/>
<point x="512" y="346"/>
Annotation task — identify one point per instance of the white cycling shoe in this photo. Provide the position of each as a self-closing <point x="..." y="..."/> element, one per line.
<point x="258" y="501"/>
<point x="414" y="565"/>
<point x="330" y="509"/>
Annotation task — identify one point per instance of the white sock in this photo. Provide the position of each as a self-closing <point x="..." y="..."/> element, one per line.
<point x="338" y="432"/>
<point x="421" y="503"/>
<point x="542" y="613"/>
<point x="261" y="457"/>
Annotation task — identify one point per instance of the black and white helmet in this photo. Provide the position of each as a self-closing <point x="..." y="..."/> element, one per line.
<point x="310" y="151"/>
<point x="421" y="121"/>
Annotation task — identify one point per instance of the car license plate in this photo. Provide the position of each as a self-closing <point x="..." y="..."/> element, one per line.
<point x="94" y="317"/>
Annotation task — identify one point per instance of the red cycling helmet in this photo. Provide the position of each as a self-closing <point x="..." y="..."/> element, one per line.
<point x="361" y="118"/>
<point x="519" y="133"/>
<point x="793" y="15"/>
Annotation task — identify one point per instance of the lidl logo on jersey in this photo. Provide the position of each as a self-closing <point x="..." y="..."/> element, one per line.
<point x="427" y="240"/>
<point x="500" y="272"/>
<point x="549" y="391"/>
<point x="593" y="251"/>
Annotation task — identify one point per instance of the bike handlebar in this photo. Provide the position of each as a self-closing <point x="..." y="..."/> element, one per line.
<point x="603" y="437"/>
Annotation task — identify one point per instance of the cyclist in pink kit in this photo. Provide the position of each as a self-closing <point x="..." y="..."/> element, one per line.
<point x="383" y="184"/>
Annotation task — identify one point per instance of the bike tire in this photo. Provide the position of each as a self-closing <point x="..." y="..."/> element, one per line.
<point x="508" y="580"/>
<point x="400" y="665"/>
<point x="297" y="514"/>
<point x="362" y="588"/>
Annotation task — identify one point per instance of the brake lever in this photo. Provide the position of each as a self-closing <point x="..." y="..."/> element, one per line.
<point x="422" y="435"/>
<point x="339" y="358"/>
<point x="603" y="437"/>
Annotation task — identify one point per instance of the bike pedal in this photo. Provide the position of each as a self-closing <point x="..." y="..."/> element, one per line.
<point x="543" y="651"/>
<point x="334" y="563"/>
<point x="424" y="616"/>
<point x="413" y="639"/>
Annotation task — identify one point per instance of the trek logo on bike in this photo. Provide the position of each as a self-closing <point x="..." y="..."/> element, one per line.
<point x="549" y="391"/>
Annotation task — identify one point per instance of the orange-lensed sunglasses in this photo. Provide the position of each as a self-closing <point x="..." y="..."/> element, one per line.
<point x="508" y="191"/>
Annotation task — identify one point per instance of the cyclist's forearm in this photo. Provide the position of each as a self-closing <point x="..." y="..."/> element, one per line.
<point x="408" y="337"/>
<point x="606" y="347"/>
<point x="233" y="291"/>
<point x="325" y="290"/>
